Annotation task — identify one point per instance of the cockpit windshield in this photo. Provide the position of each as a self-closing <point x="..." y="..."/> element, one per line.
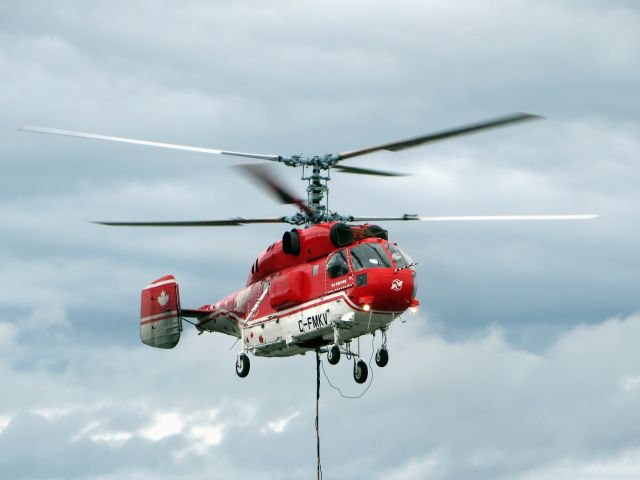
<point x="402" y="259"/>
<point x="369" y="255"/>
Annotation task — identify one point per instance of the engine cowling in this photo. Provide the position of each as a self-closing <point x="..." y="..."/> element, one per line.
<point x="289" y="289"/>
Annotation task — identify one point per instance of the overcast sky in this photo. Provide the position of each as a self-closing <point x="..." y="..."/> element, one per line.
<point x="523" y="362"/>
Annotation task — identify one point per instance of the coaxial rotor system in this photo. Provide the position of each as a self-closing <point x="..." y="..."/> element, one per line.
<point x="315" y="209"/>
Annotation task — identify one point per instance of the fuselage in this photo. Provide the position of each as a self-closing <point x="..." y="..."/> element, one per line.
<point x="317" y="286"/>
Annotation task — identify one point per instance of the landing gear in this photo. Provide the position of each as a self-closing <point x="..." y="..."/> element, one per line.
<point x="382" y="356"/>
<point x="333" y="355"/>
<point x="360" y="371"/>
<point x="242" y="365"/>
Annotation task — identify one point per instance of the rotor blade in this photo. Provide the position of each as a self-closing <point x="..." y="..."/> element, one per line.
<point x="369" y="171"/>
<point x="475" y="218"/>
<point x="232" y="222"/>
<point x="93" y="136"/>
<point x="432" y="137"/>
<point x="263" y="176"/>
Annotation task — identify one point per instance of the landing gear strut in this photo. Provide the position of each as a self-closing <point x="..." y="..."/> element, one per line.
<point x="382" y="355"/>
<point x="242" y="365"/>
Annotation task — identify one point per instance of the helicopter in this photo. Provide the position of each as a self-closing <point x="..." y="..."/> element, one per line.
<point x="330" y="280"/>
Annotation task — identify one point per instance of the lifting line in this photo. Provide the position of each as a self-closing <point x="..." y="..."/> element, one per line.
<point x="319" y="364"/>
<point x="318" y="413"/>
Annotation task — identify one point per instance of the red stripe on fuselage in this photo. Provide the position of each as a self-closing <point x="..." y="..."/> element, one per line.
<point x="285" y="313"/>
<point x="153" y="320"/>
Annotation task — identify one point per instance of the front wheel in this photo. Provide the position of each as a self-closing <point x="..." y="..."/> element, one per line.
<point x="360" y="372"/>
<point x="333" y="355"/>
<point x="242" y="365"/>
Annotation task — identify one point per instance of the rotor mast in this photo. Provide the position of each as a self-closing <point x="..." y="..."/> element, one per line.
<point x="317" y="188"/>
<point x="316" y="191"/>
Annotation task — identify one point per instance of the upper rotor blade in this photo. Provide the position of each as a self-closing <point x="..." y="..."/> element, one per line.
<point x="369" y="171"/>
<point x="263" y="176"/>
<point x="94" y="136"/>
<point x="475" y="218"/>
<point x="432" y="137"/>
<point x="232" y="222"/>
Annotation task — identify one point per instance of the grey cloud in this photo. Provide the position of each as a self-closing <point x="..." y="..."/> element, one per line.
<point x="534" y="410"/>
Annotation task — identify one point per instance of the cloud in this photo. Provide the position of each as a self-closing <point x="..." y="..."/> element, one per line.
<point x="625" y="465"/>
<point x="630" y="383"/>
<point x="416" y="469"/>
<point x="96" y="432"/>
<point x="8" y="334"/>
<point x="5" y="420"/>
<point x="478" y="407"/>
<point x="112" y="439"/>
<point x="567" y="402"/>
<point x="279" y="425"/>
<point x="208" y="436"/>
<point x="51" y="319"/>
<point x="53" y="414"/>
<point x="164" y="425"/>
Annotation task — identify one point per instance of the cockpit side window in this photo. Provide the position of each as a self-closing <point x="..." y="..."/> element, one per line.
<point x="337" y="265"/>
<point x="402" y="259"/>
<point x="369" y="255"/>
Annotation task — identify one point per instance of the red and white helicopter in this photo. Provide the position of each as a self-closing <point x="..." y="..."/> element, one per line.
<point x="328" y="281"/>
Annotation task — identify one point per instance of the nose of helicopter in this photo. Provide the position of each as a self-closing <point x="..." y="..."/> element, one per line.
<point x="385" y="289"/>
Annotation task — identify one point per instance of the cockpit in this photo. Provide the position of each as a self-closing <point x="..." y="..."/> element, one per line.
<point x="380" y="276"/>
<point x="367" y="255"/>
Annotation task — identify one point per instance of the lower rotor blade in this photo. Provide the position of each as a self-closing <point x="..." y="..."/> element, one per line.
<point x="262" y="174"/>
<point x="232" y="222"/>
<point x="491" y="218"/>
<point x="475" y="218"/>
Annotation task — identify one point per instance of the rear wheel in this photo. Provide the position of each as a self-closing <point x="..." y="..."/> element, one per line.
<point x="360" y="372"/>
<point x="382" y="357"/>
<point x="333" y="355"/>
<point x="242" y="365"/>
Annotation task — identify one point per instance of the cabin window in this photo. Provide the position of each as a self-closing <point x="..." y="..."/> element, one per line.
<point x="402" y="259"/>
<point x="314" y="270"/>
<point x="369" y="255"/>
<point x="337" y="265"/>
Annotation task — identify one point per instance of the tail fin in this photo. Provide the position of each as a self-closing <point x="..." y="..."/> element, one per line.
<point x="160" y="323"/>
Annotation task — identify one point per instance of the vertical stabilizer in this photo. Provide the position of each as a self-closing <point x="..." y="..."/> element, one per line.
<point x="160" y="323"/>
